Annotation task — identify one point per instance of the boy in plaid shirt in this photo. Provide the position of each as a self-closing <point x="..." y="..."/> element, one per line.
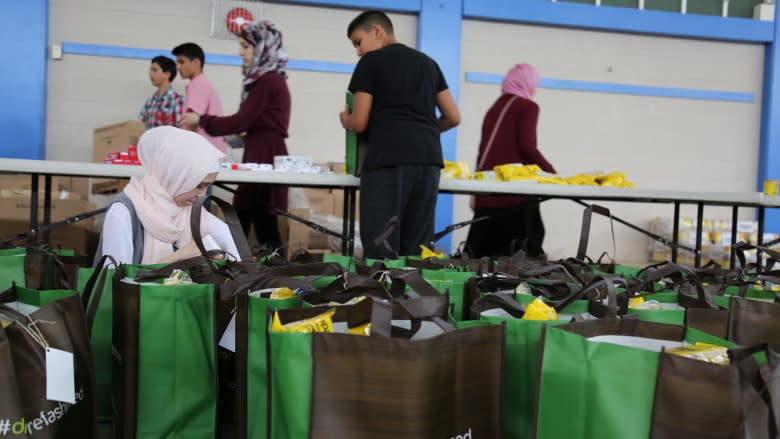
<point x="165" y="106"/>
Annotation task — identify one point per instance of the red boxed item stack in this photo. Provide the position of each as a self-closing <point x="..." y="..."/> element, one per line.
<point x="123" y="158"/>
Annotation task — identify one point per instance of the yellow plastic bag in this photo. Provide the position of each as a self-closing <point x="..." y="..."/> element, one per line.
<point x="539" y="310"/>
<point x="426" y="253"/>
<point x="319" y="323"/>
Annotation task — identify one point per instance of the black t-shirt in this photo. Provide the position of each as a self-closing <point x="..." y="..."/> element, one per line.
<point x="402" y="128"/>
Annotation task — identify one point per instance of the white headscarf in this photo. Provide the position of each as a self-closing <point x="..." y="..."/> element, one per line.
<point x="176" y="161"/>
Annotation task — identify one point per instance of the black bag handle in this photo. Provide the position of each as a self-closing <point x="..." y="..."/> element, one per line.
<point x="587" y="216"/>
<point x="93" y="289"/>
<point x="234" y="224"/>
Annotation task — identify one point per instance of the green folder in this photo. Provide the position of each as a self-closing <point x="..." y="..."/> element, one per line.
<point x="356" y="145"/>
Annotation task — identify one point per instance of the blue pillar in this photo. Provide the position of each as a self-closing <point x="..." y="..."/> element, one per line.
<point x="439" y="35"/>
<point x="24" y="27"/>
<point x="769" y="151"/>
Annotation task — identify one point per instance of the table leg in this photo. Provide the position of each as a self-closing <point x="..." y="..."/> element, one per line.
<point x="34" y="210"/>
<point x="675" y="230"/>
<point x="699" y="221"/>
<point x="352" y="214"/>
<point x="760" y="237"/>
<point x="345" y="223"/>
<point x="46" y="207"/>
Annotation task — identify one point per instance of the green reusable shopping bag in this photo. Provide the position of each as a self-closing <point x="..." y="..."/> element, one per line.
<point x="696" y="309"/>
<point x="37" y="268"/>
<point x="252" y="313"/>
<point x="164" y="375"/>
<point x="452" y="281"/>
<point x="12" y="267"/>
<point x="340" y="385"/>
<point x="39" y="322"/>
<point x="348" y="262"/>
<point x="521" y="358"/>
<point x="100" y="332"/>
<point x="607" y="389"/>
<point x="521" y="363"/>
<point x="746" y="293"/>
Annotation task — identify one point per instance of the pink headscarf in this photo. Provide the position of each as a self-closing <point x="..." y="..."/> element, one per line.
<point x="175" y="161"/>
<point x="521" y="80"/>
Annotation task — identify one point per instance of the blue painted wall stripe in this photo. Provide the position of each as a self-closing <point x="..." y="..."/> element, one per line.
<point x="211" y="58"/>
<point x="617" y="19"/>
<point x="382" y="5"/>
<point x="639" y="90"/>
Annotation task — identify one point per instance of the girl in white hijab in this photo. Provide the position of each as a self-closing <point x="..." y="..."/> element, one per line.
<point x="150" y="221"/>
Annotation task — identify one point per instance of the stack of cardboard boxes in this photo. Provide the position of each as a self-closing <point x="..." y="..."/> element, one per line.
<point x="68" y="199"/>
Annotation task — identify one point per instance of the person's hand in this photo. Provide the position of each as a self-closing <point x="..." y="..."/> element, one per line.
<point x="189" y="121"/>
<point x="344" y="117"/>
<point x="188" y="251"/>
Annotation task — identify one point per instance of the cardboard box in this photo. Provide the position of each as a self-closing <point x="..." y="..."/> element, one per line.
<point x="115" y="137"/>
<point x="15" y="220"/>
<point x="109" y="185"/>
<point x="111" y="138"/>
<point x="75" y="185"/>
<point x="15" y="205"/>
<point x="80" y="239"/>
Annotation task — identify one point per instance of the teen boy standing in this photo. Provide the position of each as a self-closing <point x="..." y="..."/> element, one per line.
<point x="397" y="90"/>
<point x="199" y="95"/>
<point x="165" y="105"/>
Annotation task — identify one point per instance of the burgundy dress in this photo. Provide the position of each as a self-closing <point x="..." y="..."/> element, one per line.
<point x="264" y="116"/>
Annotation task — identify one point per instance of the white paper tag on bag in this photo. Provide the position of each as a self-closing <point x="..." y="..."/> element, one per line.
<point x="228" y="340"/>
<point x="60" y="376"/>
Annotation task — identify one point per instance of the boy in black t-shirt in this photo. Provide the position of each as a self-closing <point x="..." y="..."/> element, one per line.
<point x="397" y="90"/>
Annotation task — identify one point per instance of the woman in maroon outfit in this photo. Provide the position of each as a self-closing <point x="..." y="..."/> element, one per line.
<point x="509" y="136"/>
<point x="264" y="116"/>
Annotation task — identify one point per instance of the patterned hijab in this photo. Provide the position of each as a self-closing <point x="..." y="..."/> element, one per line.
<point x="269" y="55"/>
<point x="521" y="80"/>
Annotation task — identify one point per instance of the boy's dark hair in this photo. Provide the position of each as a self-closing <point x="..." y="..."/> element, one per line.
<point x="192" y="51"/>
<point x="167" y="65"/>
<point x="366" y="19"/>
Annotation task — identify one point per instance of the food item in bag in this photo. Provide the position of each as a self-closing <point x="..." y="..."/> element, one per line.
<point x="364" y="329"/>
<point x="178" y="277"/>
<point x="709" y="353"/>
<point x="319" y="323"/>
<point x="648" y="304"/>
<point x="281" y="293"/>
<point x="636" y="302"/>
<point x="539" y="310"/>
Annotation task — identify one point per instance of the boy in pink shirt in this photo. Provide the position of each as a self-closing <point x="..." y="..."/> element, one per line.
<point x="199" y="95"/>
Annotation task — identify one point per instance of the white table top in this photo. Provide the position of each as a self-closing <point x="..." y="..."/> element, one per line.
<point x="446" y="185"/>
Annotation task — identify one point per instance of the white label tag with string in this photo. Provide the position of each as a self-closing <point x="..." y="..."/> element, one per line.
<point x="60" y="376"/>
<point x="228" y="340"/>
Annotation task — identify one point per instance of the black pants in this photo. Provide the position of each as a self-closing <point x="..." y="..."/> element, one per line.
<point x="408" y="192"/>
<point x="493" y="237"/>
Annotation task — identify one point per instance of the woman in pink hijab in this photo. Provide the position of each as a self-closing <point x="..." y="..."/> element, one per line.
<point x="509" y="136"/>
<point x="149" y="222"/>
